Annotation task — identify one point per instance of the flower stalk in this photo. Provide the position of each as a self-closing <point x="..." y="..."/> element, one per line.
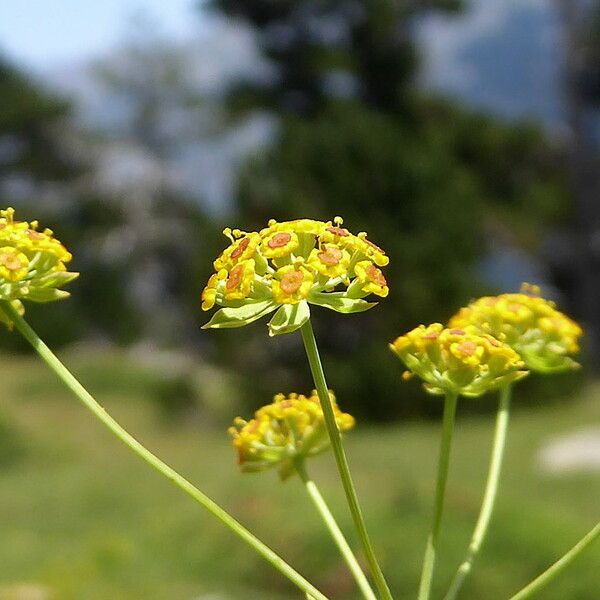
<point x="335" y="531"/>
<point x="559" y="566"/>
<point x="489" y="497"/>
<point x="440" y="492"/>
<point x="314" y="360"/>
<point x="137" y="448"/>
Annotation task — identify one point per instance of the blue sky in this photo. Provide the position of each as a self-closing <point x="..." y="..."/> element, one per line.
<point x="500" y="54"/>
<point x="43" y="34"/>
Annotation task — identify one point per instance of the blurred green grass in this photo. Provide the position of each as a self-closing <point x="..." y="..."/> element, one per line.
<point x="83" y="519"/>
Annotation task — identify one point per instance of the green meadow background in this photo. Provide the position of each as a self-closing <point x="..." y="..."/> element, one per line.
<point x="84" y="519"/>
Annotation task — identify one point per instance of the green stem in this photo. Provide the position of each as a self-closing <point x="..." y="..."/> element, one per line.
<point x="335" y="531"/>
<point x="88" y="401"/>
<point x="489" y="497"/>
<point x="559" y="566"/>
<point x="440" y="491"/>
<point x="316" y="368"/>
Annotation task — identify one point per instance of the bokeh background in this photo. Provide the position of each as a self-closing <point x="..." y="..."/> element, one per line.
<point x="463" y="136"/>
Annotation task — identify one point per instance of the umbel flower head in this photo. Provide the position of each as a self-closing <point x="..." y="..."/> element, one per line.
<point x="290" y="428"/>
<point x="288" y="266"/>
<point x="458" y="360"/>
<point x="543" y="336"/>
<point x="32" y="263"/>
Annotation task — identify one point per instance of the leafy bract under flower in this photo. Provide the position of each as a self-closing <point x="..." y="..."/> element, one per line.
<point x="458" y="361"/>
<point x="289" y="265"/>
<point x="543" y="336"/>
<point x="32" y="263"/>
<point x="290" y="428"/>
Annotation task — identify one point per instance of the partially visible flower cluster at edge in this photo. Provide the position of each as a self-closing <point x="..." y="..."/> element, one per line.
<point x="288" y="265"/>
<point x="543" y="336"/>
<point x="290" y="428"/>
<point x="492" y="342"/>
<point x="32" y="263"/>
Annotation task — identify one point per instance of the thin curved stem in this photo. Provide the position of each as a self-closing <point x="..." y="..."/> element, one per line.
<point x="88" y="401"/>
<point x="335" y="531"/>
<point x="314" y="360"/>
<point x="489" y="497"/>
<point x="440" y="492"/>
<point x="559" y="566"/>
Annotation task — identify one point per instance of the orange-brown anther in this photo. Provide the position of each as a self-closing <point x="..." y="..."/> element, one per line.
<point x="235" y="277"/>
<point x="467" y="347"/>
<point x="279" y="240"/>
<point x="434" y="335"/>
<point x="457" y="331"/>
<point x="493" y="341"/>
<point x="375" y="275"/>
<point x="374" y="246"/>
<point x="11" y="262"/>
<point x="241" y="247"/>
<point x="331" y="256"/>
<point x="35" y="235"/>
<point x="338" y="231"/>
<point x="253" y="426"/>
<point x="291" y="282"/>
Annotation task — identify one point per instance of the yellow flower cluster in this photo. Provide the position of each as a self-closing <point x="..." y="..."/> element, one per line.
<point x="458" y="360"/>
<point x="543" y="336"/>
<point x="291" y="427"/>
<point x="493" y="341"/>
<point x="32" y="263"/>
<point x="295" y="261"/>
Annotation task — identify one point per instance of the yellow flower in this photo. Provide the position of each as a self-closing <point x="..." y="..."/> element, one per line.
<point x="25" y="236"/>
<point x="329" y="260"/>
<point x="371" y="278"/>
<point x="355" y="244"/>
<point x="291" y="284"/>
<point x="458" y="360"/>
<point x="371" y="250"/>
<point x="289" y="428"/>
<point x="279" y="243"/>
<point x="32" y="263"/>
<point x="13" y="264"/>
<point x="298" y="262"/>
<point x="209" y="293"/>
<point x="542" y="335"/>
<point x="243" y="246"/>
<point x="239" y="281"/>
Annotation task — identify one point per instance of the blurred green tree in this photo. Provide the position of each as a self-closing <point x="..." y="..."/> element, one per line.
<point x="37" y="163"/>
<point x="31" y="151"/>
<point x="580" y="22"/>
<point x="428" y="180"/>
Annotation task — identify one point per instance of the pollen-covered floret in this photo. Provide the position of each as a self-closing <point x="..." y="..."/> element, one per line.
<point x="291" y="284"/>
<point x="290" y="428"/>
<point x="458" y="360"/>
<point x="240" y="279"/>
<point x="32" y="263"/>
<point x="545" y="338"/>
<point x="293" y="262"/>
<point x="370" y="279"/>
